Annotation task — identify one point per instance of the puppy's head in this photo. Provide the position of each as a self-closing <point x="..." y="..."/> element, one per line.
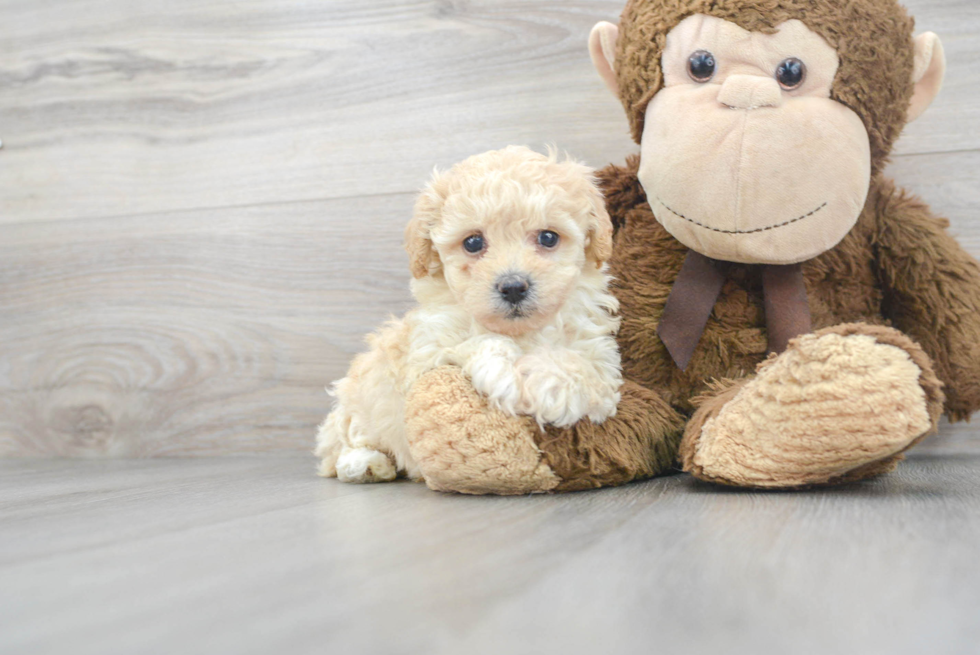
<point x="510" y="231"/>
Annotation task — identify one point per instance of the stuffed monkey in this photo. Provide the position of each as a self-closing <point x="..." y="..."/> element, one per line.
<point x="789" y="317"/>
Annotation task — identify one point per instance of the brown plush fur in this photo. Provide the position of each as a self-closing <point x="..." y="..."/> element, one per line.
<point x="897" y="266"/>
<point x="638" y="442"/>
<point x="931" y="292"/>
<point x="873" y="38"/>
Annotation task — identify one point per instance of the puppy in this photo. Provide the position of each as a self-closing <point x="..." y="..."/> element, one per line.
<point x="507" y="250"/>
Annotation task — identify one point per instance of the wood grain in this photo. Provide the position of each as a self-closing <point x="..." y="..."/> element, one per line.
<point x="156" y="106"/>
<point x="255" y="555"/>
<point x="201" y="204"/>
<point x="113" y="107"/>
<point x="194" y="333"/>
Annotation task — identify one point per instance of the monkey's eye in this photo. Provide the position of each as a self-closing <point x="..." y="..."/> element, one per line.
<point x="474" y="244"/>
<point x="548" y="239"/>
<point x="701" y="66"/>
<point x="791" y="73"/>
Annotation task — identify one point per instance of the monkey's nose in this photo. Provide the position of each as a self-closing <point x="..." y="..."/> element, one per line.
<point x="750" y="92"/>
<point x="513" y="288"/>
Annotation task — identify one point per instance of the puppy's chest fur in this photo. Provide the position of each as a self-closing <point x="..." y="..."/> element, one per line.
<point x="441" y="334"/>
<point x="841" y="287"/>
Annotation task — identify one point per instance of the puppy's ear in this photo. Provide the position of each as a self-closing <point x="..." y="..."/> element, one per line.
<point x="418" y="240"/>
<point x="599" y="246"/>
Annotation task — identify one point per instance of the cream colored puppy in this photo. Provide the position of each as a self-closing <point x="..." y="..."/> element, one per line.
<point x="507" y="252"/>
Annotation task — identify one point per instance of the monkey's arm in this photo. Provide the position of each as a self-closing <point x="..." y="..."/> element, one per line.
<point x="932" y="292"/>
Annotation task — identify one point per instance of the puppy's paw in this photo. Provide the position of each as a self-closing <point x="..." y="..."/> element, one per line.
<point x="360" y="465"/>
<point x="492" y="373"/>
<point x="604" y="407"/>
<point x="561" y="396"/>
<point x="549" y="393"/>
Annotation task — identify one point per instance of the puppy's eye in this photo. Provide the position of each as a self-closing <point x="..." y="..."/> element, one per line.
<point x="474" y="243"/>
<point x="791" y="73"/>
<point x="701" y="66"/>
<point x="548" y="239"/>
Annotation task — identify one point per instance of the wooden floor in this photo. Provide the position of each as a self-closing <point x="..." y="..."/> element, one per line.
<point x="255" y="555"/>
<point x="202" y="203"/>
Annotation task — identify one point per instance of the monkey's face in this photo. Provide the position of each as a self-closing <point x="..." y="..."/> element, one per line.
<point x="745" y="157"/>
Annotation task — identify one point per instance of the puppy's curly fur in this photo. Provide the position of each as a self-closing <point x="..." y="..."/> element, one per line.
<point x="530" y="321"/>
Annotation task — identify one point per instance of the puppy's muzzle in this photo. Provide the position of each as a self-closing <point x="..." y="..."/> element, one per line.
<point x="513" y="289"/>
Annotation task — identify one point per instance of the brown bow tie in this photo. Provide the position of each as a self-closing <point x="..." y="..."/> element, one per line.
<point x="696" y="290"/>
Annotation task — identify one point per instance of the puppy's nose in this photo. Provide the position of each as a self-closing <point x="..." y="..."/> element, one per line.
<point x="513" y="288"/>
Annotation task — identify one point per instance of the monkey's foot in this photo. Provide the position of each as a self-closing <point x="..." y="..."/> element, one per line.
<point x="838" y="405"/>
<point x="461" y="444"/>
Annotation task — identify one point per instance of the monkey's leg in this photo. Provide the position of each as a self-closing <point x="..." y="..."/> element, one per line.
<point x="463" y="445"/>
<point x="839" y="405"/>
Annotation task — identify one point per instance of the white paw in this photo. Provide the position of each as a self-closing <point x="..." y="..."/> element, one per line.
<point x="492" y="373"/>
<point x="364" y="465"/>
<point x="604" y="408"/>
<point x="550" y="394"/>
<point x="559" y="397"/>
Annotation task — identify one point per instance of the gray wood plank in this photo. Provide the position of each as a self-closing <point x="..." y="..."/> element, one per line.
<point x="192" y="333"/>
<point x="156" y="106"/>
<point x="254" y="555"/>
<point x="113" y="107"/>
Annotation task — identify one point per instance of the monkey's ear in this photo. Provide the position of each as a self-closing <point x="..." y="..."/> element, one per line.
<point x="418" y="232"/>
<point x="600" y="245"/>
<point x="602" y="48"/>
<point x="928" y="74"/>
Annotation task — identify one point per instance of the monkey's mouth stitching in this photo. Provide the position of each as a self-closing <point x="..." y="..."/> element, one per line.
<point x="761" y="229"/>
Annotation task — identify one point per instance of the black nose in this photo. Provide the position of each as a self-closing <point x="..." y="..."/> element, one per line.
<point x="513" y="288"/>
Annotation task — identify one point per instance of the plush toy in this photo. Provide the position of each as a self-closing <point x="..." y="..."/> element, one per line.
<point x="789" y="317"/>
